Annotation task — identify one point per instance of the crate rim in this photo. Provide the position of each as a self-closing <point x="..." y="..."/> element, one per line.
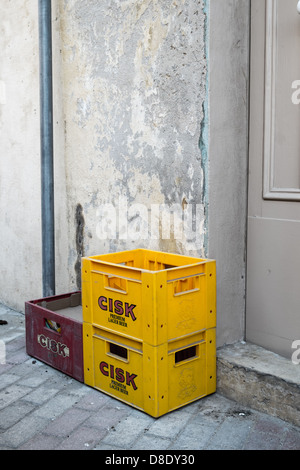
<point x="56" y="296"/>
<point x="194" y="260"/>
<point x="46" y="310"/>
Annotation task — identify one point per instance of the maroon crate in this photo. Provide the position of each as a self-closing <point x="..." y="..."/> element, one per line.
<point x="54" y="332"/>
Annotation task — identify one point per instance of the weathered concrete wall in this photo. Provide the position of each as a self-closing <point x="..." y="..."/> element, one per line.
<point x="20" y="181"/>
<point x="20" y="239"/>
<point x="134" y="87"/>
<point x="150" y="113"/>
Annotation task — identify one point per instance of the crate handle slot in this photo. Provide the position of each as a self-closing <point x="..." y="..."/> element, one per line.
<point x="118" y="351"/>
<point x="186" y="354"/>
<point x="115" y="283"/>
<point x="52" y="325"/>
<point x="169" y="266"/>
<point x="186" y="285"/>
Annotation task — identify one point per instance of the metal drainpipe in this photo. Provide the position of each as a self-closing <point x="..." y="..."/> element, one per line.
<point x="47" y="173"/>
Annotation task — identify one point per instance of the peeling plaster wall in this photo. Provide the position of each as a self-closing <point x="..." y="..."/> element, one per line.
<point x="134" y="81"/>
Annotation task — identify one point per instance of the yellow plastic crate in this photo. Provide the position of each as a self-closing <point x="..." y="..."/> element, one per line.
<point x="154" y="379"/>
<point x="149" y="296"/>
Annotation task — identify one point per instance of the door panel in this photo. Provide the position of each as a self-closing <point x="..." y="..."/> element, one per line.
<point x="282" y="66"/>
<point x="273" y="306"/>
<point x="273" y="252"/>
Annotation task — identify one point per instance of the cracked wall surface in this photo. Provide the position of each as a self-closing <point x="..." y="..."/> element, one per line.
<point x="134" y="85"/>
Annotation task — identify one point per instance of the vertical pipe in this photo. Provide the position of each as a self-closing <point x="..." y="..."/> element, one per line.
<point x="47" y="173"/>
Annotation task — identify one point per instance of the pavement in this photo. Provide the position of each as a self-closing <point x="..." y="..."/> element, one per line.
<point x="43" y="409"/>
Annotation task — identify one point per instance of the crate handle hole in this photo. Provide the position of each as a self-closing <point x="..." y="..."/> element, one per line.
<point x="52" y="325"/>
<point x="169" y="266"/>
<point x="118" y="351"/>
<point x="186" y="285"/>
<point x="115" y="283"/>
<point x="185" y="354"/>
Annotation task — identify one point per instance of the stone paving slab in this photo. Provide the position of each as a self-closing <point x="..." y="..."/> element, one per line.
<point x="43" y="409"/>
<point x="260" y="379"/>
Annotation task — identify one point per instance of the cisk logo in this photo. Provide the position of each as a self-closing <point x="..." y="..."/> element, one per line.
<point x="118" y="307"/>
<point x="53" y="346"/>
<point x="108" y="370"/>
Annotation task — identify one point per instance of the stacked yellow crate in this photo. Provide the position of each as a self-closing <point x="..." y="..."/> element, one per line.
<point x="149" y="331"/>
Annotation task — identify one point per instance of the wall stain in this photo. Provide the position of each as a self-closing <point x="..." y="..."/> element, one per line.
<point x="80" y="223"/>
<point x="204" y="130"/>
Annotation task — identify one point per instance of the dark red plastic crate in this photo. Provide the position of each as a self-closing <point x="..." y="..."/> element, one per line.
<point x="54" y="332"/>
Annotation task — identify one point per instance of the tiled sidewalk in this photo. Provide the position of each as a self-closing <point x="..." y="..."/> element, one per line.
<point x="41" y="408"/>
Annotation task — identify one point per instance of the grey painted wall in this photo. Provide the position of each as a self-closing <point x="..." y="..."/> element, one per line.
<point x="228" y="165"/>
